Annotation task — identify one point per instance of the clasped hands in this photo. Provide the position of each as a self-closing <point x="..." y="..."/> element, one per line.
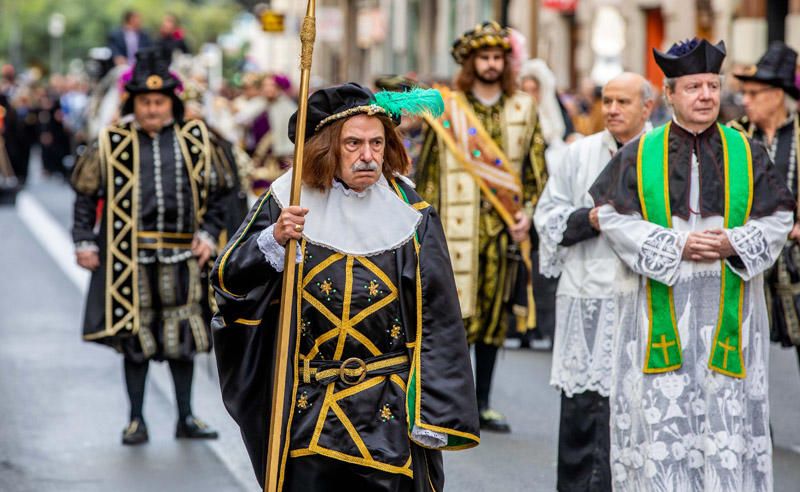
<point x="708" y="246"/>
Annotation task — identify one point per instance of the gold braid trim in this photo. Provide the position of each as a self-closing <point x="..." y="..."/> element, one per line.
<point x="370" y="109"/>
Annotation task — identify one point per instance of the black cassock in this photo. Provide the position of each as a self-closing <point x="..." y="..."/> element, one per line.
<point x="395" y="313"/>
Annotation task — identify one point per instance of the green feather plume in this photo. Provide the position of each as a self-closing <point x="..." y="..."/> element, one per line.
<point x="416" y="102"/>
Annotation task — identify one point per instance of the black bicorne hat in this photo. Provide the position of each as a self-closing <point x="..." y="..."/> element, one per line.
<point x="775" y="68"/>
<point x="151" y="74"/>
<point x="334" y="103"/>
<point x="690" y="57"/>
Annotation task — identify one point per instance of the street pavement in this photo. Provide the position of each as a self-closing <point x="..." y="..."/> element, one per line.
<point x="63" y="402"/>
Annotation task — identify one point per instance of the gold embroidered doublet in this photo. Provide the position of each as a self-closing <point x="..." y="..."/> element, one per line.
<point x="349" y="312"/>
<point x="117" y="159"/>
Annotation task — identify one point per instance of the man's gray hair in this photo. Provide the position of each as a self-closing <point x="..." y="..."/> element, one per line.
<point x="647" y="92"/>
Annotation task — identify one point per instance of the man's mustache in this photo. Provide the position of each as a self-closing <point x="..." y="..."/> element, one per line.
<point x="365" y="166"/>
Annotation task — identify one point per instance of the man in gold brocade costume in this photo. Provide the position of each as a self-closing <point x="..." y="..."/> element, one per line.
<point x="483" y="246"/>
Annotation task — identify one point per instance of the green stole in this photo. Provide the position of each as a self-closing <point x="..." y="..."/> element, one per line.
<point x="664" y="352"/>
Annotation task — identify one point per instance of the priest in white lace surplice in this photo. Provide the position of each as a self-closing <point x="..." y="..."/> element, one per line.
<point x="689" y="401"/>
<point x="571" y="246"/>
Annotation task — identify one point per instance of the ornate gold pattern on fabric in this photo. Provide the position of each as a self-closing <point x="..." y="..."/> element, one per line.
<point x="479" y="162"/>
<point x="354" y="372"/>
<point x="197" y="153"/>
<point x="369" y="109"/>
<point x="154" y="82"/>
<point x="487" y="35"/>
<point x="88" y="174"/>
<point x="118" y="154"/>
<point x="120" y="150"/>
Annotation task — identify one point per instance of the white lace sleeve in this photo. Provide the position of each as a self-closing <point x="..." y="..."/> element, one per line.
<point x="551" y="255"/>
<point x="646" y="248"/>
<point x="759" y="242"/>
<point x="550" y="220"/>
<point x="274" y="252"/>
<point x="428" y="438"/>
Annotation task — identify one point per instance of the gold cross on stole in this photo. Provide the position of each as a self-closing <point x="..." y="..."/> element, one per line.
<point x="727" y="347"/>
<point x="664" y="345"/>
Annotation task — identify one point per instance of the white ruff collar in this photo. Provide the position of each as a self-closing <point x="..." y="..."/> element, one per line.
<point x="352" y="223"/>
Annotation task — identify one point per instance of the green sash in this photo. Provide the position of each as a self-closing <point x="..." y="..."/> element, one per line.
<point x="663" y="341"/>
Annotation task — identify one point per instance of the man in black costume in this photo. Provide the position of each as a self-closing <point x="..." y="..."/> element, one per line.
<point x="156" y="185"/>
<point x="770" y="99"/>
<point x="379" y="372"/>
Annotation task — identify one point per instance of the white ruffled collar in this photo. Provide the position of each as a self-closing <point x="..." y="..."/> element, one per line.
<point x="363" y="223"/>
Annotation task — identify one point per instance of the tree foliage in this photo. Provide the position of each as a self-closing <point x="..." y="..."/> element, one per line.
<point x="88" y="23"/>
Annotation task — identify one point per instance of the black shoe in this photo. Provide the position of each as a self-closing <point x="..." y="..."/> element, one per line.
<point x="135" y="433"/>
<point x="193" y="428"/>
<point x="493" y="421"/>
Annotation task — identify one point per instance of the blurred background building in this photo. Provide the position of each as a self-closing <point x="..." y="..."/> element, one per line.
<point x="358" y="39"/>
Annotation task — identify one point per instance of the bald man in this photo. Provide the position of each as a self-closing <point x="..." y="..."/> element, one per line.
<point x="570" y="245"/>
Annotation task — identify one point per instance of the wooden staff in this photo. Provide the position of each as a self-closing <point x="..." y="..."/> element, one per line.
<point x="275" y="445"/>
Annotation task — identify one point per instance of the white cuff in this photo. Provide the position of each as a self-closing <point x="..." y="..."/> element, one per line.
<point x="272" y="251"/>
<point x="83" y="246"/>
<point x="206" y="238"/>
<point x="751" y="246"/>
<point x="428" y="438"/>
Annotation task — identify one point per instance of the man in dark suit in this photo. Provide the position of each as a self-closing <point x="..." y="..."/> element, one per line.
<point x="127" y="40"/>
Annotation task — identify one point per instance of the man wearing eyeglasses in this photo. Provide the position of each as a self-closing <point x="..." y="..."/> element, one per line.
<point x="770" y="101"/>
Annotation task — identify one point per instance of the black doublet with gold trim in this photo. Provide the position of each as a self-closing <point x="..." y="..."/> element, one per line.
<point x="111" y="171"/>
<point x="379" y="350"/>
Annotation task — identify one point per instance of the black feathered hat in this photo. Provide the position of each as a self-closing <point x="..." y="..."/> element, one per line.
<point x="690" y="57"/>
<point x="151" y="74"/>
<point x="775" y="68"/>
<point x="343" y="101"/>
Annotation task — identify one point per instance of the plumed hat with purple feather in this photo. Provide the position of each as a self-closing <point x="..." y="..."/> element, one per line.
<point x="690" y="57"/>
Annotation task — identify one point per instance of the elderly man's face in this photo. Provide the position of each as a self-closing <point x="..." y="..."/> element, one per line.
<point x="152" y="110"/>
<point x="761" y="101"/>
<point x="624" y="112"/>
<point x="362" y="144"/>
<point x="695" y="99"/>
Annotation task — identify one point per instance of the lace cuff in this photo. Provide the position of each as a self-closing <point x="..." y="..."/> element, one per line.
<point x="428" y="438"/>
<point x="207" y="238"/>
<point x="751" y="246"/>
<point x="551" y="255"/>
<point x="82" y="246"/>
<point x="272" y="251"/>
<point x="660" y="255"/>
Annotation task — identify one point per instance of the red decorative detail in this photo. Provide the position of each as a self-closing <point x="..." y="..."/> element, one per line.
<point x="564" y="6"/>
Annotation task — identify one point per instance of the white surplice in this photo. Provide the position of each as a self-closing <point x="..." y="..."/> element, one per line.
<point x="691" y="429"/>
<point x="586" y="313"/>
